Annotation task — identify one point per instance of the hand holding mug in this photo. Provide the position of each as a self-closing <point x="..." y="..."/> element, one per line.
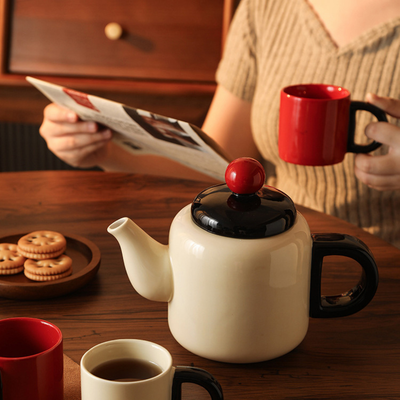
<point x="317" y="124"/>
<point x="382" y="172"/>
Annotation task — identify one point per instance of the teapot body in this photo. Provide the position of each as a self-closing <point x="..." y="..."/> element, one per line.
<point x="242" y="272"/>
<point x="239" y="300"/>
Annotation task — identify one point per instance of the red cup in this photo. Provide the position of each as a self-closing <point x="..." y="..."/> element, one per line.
<point x="31" y="360"/>
<point x="317" y="124"/>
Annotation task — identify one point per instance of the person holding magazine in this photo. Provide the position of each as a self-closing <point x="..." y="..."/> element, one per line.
<point x="273" y="44"/>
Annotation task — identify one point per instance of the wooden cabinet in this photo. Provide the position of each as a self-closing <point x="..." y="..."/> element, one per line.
<point x="164" y="60"/>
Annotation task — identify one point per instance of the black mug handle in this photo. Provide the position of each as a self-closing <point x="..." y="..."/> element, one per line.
<point x="199" y="377"/>
<point x="356" y="298"/>
<point x="352" y="147"/>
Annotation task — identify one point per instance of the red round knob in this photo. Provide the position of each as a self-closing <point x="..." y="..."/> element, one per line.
<point x="245" y="175"/>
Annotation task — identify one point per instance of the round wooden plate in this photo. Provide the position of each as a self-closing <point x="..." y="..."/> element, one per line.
<point x="85" y="264"/>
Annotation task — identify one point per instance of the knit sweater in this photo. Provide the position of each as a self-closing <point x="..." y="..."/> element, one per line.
<point x="273" y="44"/>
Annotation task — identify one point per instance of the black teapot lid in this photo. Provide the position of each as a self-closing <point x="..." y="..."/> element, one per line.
<point x="244" y="207"/>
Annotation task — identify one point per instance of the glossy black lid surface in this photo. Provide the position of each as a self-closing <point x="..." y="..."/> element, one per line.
<point x="257" y="211"/>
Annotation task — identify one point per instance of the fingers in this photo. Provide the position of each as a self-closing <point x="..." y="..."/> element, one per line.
<point x="377" y="165"/>
<point x="59" y="121"/>
<point x="76" y="142"/>
<point x="50" y="128"/>
<point x="86" y="156"/>
<point x="70" y="142"/>
<point x="63" y="131"/>
<point x="55" y="113"/>
<point x="387" y="104"/>
<point x="384" y="132"/>
<point x="382" y="172"/>
<point x="379" y="172"/>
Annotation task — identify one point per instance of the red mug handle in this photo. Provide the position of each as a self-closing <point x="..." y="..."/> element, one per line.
<point x="353" y="147"/>
<point x="356" y="298"/>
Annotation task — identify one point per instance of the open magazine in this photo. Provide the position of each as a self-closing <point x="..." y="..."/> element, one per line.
<point x="143" y="132"/>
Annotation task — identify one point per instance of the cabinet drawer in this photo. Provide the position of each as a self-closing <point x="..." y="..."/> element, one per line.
<point x="162" y="39"/>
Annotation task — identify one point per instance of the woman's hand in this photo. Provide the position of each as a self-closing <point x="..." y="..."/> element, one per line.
<point x="381" y="172"/>
<point x="78" y="143"/>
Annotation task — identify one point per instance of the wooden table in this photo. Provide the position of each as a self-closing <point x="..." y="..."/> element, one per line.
<point x="356" y="357"/>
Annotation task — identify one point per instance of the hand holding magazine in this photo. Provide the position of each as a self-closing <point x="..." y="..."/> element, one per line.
<point x="142" y="132"/>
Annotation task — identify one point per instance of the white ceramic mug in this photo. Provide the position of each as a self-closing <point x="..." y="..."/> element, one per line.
<point x="166" y="385"/>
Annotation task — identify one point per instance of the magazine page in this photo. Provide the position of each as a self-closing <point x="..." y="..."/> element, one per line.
<point x="142" y="132"/>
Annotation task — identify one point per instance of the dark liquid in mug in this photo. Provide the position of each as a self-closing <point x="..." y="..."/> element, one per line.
<point x="126" y="370"/>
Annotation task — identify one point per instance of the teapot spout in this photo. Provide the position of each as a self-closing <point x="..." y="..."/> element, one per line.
<point x="146" y="260"/>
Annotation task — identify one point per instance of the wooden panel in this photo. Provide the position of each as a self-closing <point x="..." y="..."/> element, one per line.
<point x="163" y="39"/>
<point x="187" y="97"/>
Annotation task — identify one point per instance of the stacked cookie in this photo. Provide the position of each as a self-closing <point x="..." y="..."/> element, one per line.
<point x="41" y="245"/>
<point x="39" y="254"/>
<point x="11" y="261"/>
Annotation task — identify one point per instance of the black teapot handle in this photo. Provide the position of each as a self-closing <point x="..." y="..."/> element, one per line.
<point x="356" y="298"/>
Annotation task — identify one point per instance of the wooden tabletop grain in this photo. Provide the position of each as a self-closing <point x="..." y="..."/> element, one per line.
<point x="355" y="357"/>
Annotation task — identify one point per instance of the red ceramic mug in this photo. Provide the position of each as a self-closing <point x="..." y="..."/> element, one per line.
<point x="31" y="360"/>
<point x="317" y="123"/>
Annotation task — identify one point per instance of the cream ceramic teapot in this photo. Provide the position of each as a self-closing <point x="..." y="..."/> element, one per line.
<point x="242" y="272"/>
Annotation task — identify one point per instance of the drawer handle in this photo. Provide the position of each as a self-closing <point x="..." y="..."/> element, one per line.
<point x="113" y="31"/>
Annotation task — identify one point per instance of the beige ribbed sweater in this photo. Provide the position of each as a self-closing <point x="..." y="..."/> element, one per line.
<point x="275" y="43"/>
